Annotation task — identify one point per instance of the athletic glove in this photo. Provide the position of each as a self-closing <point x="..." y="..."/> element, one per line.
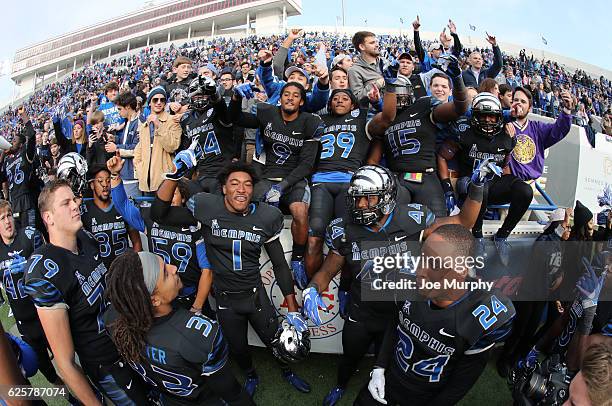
<point x="449" y="196"/>
<point x="185" y="160"/>
<point x="312" y="301"/>
<point x="450" y="65"/>
<point x="245" y="91"/>
<point x="273" y="195"/>
<point x="530" y="360"/>
<point x="392" y="81"/>
<point x="297" y="320"/>
<point x="486" y="171"/>
<point x="376" y="386"/>
<point x="589" y="285"/>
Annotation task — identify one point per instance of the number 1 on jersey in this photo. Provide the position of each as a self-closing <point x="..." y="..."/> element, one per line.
<point x="237" y="254"/>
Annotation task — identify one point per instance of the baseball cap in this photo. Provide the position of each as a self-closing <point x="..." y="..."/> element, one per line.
<point x="404" y="55"/>
<point x="337" y="59"/>
<point x="292" y="69"/>
<point x="435" y="45"/>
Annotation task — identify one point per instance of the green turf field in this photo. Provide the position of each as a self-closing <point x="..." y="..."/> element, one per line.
<point x="320" y="372"/>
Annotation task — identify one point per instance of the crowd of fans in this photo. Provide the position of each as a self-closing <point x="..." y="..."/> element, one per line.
<point x="370" y="144"/>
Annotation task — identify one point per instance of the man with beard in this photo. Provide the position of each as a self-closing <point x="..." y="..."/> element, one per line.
<point x="368" y="67"/>
<point x="101" y="218"/>
<point x="291" y="143"/>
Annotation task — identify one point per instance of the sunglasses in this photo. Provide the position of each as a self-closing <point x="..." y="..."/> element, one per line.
<point x="159" y="100"/>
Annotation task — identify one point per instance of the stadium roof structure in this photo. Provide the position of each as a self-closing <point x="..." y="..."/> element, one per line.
<point x="169" y="21"/>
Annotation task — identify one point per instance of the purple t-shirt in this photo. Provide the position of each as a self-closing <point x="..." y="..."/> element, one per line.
<point x="527" y="157"/>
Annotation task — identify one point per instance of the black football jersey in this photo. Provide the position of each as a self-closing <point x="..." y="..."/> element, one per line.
<point x="283" y="141"/>
<point x="410" y="141"/>
<point x="13" y="259"/>
<point x="233" y="241"/>
<point x="58" y="277"/>
<point x="181" y="350"/>
<point x="475" y="148"/>
<point x="181" y="246"/>
<point x="432" y="340"/>
<point x="344" y="143"/>
<point x="360" y="245"/>
<point x="108" y="228"/>
<point x="16" y="170"/>
<point x="215" y="139"/>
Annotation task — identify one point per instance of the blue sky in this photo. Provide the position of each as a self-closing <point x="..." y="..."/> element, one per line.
<point x="578" y="30"/>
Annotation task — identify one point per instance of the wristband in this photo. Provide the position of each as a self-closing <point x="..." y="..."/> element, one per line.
<point x="475" y="192"/>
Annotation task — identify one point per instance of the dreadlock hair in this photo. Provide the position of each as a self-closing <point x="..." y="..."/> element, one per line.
<point x="129" y="296"/>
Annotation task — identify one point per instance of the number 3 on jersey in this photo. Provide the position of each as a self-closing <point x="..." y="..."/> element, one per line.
<point x="483" y="312"/>
<point x="345" y="141"/>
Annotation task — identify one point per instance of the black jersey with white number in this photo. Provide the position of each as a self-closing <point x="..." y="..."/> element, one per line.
<point x="410" y="141"/>
<point x="474" y="148"/>
<point x="13" y="259"/>
<point x="283" y="141"/>
<point x="178" y="246"/>
<point x="108" y="227"/>
<point x="234" y="241"/>
<point x="214" y="137"/>
<point x="360" y="245"/>
<point x="432" y="340"/>
<point x="16" y="170"/>
<point x="59" y="277"/>
<point x="181" y="350"/>
<point x="344" y="143"/>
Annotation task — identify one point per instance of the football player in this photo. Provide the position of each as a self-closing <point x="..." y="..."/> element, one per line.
<point x="407" y="130"/>
<point x="236" y="230"/>
<point x="181" y="246"/>
<point x="375" y="223"/>
<point x="486" y="138"/>
<point x="161" y="342"/>
<point x="344" y="148"/>
<point x="66" y="280"/>
<point x="440" y="345"/>
<point x="207" y="122"/>
<point x="101" y="218"/>
<point x="290" y="143"/>
<point x="16" y="246"/>
<point x="16" y="172"/>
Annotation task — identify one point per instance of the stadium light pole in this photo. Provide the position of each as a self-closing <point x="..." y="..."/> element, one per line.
<point x="343" y="15"/>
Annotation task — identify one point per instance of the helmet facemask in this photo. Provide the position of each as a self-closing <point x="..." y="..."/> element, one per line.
<point x="405" y="96"/>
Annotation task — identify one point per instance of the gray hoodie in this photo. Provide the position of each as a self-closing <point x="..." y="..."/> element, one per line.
<point x="363" y="75"/>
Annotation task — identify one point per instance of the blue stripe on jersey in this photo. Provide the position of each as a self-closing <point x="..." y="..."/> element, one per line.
<point x="607" y="330"/>
<point x="332" y="177"/>
<point x="384" y="225"/>
<point x="217" y="357"/>
<point x="201" y="254"/>
<point x="126" y="208"/>
<point x="43" y="292"/>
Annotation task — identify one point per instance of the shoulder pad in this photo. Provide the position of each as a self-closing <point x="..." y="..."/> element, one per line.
<point x="335" y="234"/>
<point x="482" y="313"/>
<point x="420" y="215"/>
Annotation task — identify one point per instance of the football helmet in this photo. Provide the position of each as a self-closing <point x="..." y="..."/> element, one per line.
<point x="73" y="168"/>
<point x="486" y="104"/>
<point x="290" y="346"/>
<point x="201" y="92"/>
<point x="368" y="181"/>
<point x="405" y="95"/>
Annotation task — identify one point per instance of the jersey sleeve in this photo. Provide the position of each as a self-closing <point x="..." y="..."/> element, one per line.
<point x="40" y="283"/>
<point x="35" y="236"/>
<point x="334" y="234"/>
<point x="203" y="206"/>
<point x="489" y="322"/>
<point x="314" y="128"/>
<point x="420" y="218"/>
<point x="273" y="221"/>
<point x="203" y="343"/>
<point x="203" y="262"/>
